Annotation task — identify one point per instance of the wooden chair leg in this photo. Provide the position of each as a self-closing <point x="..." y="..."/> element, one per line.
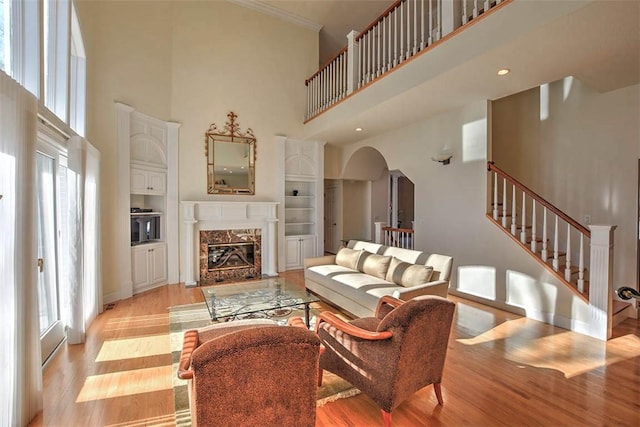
<point x="386" y="418"/>
<point x="320" y="371"/>
<point x="438" y="391"/>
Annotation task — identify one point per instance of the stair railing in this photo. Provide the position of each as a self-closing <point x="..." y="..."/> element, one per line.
<point x="553" y="236"/>
<point x="401" y="32"/>
<point x="549" y="233"/>
<point x="390" y="236"/>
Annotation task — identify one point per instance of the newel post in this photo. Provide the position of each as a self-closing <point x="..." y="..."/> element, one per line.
<point x="379" y="238"/>
<point x="601" y="281"/>
<point x="352" y="62"/>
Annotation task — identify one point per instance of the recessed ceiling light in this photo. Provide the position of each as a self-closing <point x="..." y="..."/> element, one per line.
<point x="503" y="71"/>
<point x="358" y="129"/>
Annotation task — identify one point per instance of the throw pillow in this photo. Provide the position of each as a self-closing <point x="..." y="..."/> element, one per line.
<point x="348" y="258"/>
<point x="407" y="275"/>
<point x="375" y="265"/>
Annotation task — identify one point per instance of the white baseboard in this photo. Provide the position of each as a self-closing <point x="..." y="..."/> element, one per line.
<point x="111" y="297"/>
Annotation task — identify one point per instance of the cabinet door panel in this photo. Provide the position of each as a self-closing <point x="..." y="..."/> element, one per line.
<point x="158" y="264"/>
<point x="139" y="268"/>
<point x="308" y="248"/>
<point x="138" y="181"/>
<point x="157" y="182"/>
<point x="292" y="251"/>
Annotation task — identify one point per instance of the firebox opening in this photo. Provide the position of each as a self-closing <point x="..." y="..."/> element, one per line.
<point x="227" y="256"/>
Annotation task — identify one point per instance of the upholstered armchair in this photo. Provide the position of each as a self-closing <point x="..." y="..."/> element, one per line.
<point x="392" y="355"/>
<point x="251" y="373"/>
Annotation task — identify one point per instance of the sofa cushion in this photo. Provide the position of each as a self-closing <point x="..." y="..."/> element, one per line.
<point x="405" y="274"/>
<point x="348" y="258"/>
<point x="374" y="265"/>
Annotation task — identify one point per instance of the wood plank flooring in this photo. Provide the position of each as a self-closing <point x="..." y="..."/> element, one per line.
<point x="501" y="370"/>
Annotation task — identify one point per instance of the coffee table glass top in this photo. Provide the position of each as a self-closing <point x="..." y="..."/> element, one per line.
<point x="260" y="298"/>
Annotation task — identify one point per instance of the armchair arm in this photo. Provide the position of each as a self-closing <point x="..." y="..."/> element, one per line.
<point x="438" y="287"/>
<point x="189" y="344"/>
<point x="347" y="328"/>
<point x="387" y="303"/>
<point x="321" y="260"/>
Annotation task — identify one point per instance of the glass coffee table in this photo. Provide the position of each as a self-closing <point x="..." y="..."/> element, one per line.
<point x="262" y="298"/>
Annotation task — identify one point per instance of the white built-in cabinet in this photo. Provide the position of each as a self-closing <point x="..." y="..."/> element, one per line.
<point x="303" y="201"/>
<point x="298" y="248"/>
<point x="148" y="180"/>
<point x="148" y="265"/>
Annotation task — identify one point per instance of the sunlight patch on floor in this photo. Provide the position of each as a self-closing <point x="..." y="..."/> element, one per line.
<point x="577" y="355"/>
<point x="130" y="348"/>
<point x="568" y="352"/>
<point x="125" y="323"/>
<point x="126" y="383"/>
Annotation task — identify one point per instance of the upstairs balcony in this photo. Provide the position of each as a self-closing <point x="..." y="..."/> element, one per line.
<point x="423" y="57"/>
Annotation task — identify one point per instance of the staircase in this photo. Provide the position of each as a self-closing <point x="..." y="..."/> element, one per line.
<point x="567" y="249"/>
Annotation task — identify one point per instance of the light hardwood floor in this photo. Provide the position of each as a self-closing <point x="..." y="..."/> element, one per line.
<point x="501" y="370"/>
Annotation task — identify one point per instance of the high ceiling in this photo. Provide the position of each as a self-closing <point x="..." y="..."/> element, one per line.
<point x="596" y="41"/>
<point x="337" y="18"/>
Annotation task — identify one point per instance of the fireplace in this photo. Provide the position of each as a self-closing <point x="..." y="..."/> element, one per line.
<point x="229" y="255"/>
<point x="231" y="220"/>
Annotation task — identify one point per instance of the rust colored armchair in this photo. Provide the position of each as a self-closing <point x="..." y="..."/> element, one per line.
<point x="251" y="373"/>
<point x="392" y="355"/>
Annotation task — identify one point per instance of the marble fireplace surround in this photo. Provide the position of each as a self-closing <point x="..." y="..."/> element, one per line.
<point x="216" y="215"/>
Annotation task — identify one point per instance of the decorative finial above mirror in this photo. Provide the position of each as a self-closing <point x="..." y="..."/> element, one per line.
<point x="231" y="158"/>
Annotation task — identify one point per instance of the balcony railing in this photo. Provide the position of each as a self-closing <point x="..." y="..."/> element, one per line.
<point x="406" y="29"/>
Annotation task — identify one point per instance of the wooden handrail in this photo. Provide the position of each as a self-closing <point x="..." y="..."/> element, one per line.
<point x="401" y="230"/>
<point x="492" y="167"/>
<point x="325" y="65"/>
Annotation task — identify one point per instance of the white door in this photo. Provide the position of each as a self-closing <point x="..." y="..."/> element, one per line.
<point x="51" y="329"/>
<point x="331" y="238"/>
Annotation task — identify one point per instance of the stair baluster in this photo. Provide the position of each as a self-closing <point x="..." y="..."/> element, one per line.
<point x="545" y="254"/>
<point x="523" y="231"/>
<point x="580" y="283"/>
<point x="504" y="202"/>
<point x="495" y="196"/>
<point x="514" y="227"/>
<point x="556" y="260"/>
<point x="567" y="262"/>
<point x="533" y="226"/>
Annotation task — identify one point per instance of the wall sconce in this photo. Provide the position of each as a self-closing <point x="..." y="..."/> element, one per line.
<point x="444" y="158"/>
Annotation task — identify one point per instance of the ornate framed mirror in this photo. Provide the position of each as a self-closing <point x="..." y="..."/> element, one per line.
<point x="231" y="158"/>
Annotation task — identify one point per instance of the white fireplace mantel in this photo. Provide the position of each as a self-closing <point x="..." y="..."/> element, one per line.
<point x="216" y="215"/>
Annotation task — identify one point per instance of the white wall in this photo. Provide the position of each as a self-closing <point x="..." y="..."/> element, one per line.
<point x="578" y="149"/>
<point x="379" y="200"/>
<point x="192" y="62"/>
<point x="450" y="217"/>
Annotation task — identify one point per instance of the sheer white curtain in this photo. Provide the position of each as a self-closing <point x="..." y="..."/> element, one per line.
<point x="81" y="300"/>
<point x="20" y="364"/>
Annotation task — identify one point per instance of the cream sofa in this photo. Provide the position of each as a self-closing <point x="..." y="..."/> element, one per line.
<point x="359" y="275"/>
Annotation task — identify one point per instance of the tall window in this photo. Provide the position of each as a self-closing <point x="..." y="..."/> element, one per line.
<point x="5" y="36"/>
<point x="57" y="16"/>
<point x="78" y="77"/>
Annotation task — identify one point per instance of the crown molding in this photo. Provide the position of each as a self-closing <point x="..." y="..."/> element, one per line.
<point x="278" y="13"/>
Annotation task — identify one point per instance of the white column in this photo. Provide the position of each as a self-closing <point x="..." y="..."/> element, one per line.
<point x="601" y="281"/>
<point x="124" y="200"/>
<point x="189" y="249"/>
<point x="172" y="204"/>
<point x="269" y="265"/>
<point x="352" y="62"/>
<point x="378" y="232"/>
